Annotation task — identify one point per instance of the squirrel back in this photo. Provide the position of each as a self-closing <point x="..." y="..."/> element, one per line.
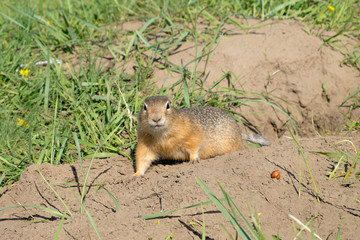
<point x="221" y="133"/>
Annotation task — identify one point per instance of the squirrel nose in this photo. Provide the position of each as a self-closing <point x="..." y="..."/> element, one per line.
<point x="156" y="120"/>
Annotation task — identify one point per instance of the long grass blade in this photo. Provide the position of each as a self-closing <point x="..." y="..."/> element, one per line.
<point x="223" y="210"/>
<point x="92" y="222"/>
<point x="163" y="214"/>
<point x="48" y="210"/>
<point x="57" y="195"/>
<point x="280" y="7"/>
<point x="57" y="233"/>
<point x="233" y="208"/>
<point x="88" y="24"/>
<point x="12" y="20"/>
<point x="113" y="198"/>
<point x="306" y="163"/>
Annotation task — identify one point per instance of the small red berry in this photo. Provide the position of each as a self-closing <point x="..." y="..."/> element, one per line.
<point x="275" y="174"/>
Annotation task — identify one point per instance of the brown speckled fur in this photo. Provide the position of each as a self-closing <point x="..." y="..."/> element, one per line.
<point x="185" y="134"/>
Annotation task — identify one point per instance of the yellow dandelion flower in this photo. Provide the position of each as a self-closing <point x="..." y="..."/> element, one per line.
<point x="22" y="123"/>
<point x="25" y="73"/>
<point x="330" y="8"/>
<point x="47" y="23"/>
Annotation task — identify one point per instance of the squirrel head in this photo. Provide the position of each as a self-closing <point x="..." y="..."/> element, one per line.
<point x="155" y="113"/>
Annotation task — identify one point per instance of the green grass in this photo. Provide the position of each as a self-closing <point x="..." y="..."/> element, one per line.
<point x="345" y="162"/>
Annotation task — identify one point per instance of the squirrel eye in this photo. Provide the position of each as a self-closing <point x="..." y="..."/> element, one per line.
<point x="145" y="108"/>
<point x="167" y="106"/>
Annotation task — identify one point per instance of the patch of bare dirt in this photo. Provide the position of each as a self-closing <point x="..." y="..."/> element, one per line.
<point x="245" y="175"/>
<point x="280" y="58"/>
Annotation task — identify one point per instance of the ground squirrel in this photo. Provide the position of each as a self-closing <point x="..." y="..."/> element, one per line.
<point x="185" y="134"/>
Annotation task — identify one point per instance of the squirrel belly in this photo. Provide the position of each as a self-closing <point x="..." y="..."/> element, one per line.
<point x="183" y="134"/>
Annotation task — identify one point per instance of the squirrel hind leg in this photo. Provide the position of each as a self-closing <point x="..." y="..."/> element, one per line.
<point x="143" y="159"/>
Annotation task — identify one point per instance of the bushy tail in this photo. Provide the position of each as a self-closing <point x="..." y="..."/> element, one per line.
<point x="256" y="138"/>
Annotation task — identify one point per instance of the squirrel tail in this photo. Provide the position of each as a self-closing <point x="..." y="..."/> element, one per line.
<point x="256" y="138"/>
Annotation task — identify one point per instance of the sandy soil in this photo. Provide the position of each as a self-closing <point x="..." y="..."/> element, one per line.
<point x="280" y="58"/>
